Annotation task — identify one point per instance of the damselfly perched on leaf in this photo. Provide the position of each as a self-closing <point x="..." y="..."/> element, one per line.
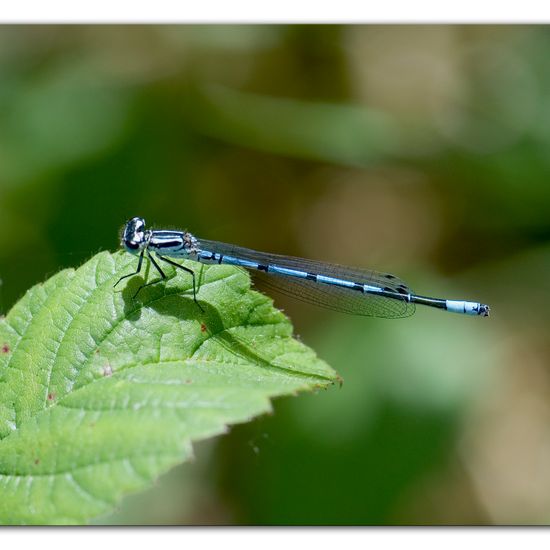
<point x="346" y="289"/>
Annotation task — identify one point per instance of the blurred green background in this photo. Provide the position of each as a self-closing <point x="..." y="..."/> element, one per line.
<point x="418" y="150"/>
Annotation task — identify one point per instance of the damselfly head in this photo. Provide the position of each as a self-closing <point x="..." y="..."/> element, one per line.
<point x="134" y="235"/>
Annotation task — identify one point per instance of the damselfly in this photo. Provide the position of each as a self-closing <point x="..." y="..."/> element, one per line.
<point x="350" y="290"/>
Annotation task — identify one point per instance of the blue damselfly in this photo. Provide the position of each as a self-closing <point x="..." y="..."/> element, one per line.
<point x="350" y="290"/>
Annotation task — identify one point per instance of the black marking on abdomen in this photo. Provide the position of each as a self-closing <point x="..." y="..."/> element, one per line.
<point x="220" y="259"/>
<point x="426" y="301"/>
<point x="311" y="277"/>
<point x="169" y="244"/>
<point x="262" y="267"/>
<point x="359" y="287"/>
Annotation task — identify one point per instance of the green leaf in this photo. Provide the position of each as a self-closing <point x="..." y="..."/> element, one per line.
<point x="100" y="393"/>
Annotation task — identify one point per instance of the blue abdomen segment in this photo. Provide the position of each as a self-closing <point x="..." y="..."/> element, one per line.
<point x="467" y="308"/>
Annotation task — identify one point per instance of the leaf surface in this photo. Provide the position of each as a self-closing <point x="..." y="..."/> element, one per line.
<point x="100" y="393"/>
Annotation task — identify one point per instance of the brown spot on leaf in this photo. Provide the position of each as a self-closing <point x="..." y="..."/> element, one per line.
<point x="51" y="396"/>
<point x="37" y="461"/>
<point x="203" y="327"/>
<point x="5" y="348"/>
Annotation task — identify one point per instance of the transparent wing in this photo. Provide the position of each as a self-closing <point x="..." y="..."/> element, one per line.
<point x="328" y="296"/>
